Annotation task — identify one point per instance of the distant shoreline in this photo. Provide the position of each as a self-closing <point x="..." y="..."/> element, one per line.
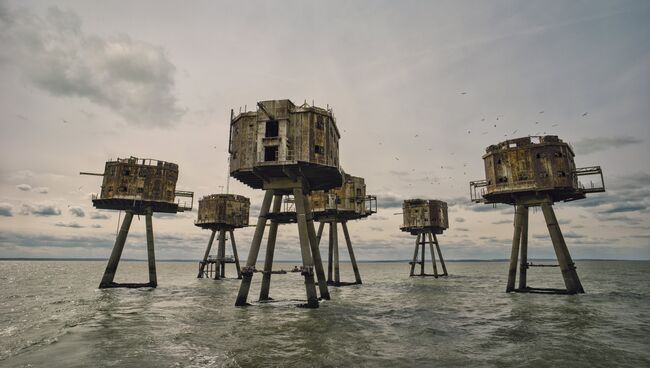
<point x="299" y="261"/>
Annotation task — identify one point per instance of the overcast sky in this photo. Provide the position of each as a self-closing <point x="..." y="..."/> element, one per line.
<point x="419" y="89"/>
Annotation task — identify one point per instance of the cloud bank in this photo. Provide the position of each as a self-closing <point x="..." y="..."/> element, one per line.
<point x="132" y="78"/>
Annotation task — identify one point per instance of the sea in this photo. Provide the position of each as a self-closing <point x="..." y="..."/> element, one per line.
<point x="53" y="315"/>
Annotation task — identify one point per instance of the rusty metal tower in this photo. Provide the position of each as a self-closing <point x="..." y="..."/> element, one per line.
<point x="425" y="218"/>
<point x="338" y="206"/>
<point x="140" y="187"/>
<point x="285" y="149"/>
<point x="528" y="172"/>
<point x="221" y="213"/>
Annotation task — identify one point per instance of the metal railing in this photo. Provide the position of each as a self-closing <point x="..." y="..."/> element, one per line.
<point x="590" y="171"/>
<point x="477" y="189"/>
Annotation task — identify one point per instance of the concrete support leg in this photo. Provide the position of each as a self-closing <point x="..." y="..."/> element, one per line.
<point x="206" y="254"/>
<point x="423" y="241"/>
<point x="270" y="249"/>
<point x="234" y="253"/>
<point x="415" y="256"/>
<point x="433" y="254"/>
<point x="442" y="260"/>
<point x="151" y="255"/>
<point x="335" y="246"/>
<point x="514" y="254"/>
<point x="305" y="250"/>
<point x="247" y="272"/>
<point x="523" y="262"/>
<point x="116" y="254"/>
<point x="330" y="254"/>
<point x="315" y="252"/>
<point x="319" y="235"/>
<point x="222" y="253"/>
<point x="571" y="280"/>
<point x="353" y="259"/>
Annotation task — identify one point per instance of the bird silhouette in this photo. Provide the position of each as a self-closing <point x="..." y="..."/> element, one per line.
<point x="463" y="93"/>
<point x="585" y="114"/>
<point x="554" y="125"/>
<point x="541" y="112"/>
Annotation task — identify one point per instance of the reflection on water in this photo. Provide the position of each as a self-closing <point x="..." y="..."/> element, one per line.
<point x="61" y="319"/>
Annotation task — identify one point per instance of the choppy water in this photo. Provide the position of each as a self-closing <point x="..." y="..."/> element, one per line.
<point x="51" y="314"/>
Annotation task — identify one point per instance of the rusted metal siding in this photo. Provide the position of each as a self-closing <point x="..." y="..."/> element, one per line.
<point x="301" y="129"/>
<point x="351" y="196"/>
<point x="223" y="209"/>
<point x="521" y="165"/>
<point x="142" y="179"/>
<point x="424" y="214"/>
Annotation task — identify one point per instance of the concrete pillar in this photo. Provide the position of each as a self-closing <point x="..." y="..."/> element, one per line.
<point x="206" y="254"/>
<point x="353" y="259"/>
<point x="116" y="254"/>
<point x="247" y="273"/>
<point x="415" y="255"/>
<point x="514" y="254"/>
<point x="270" y="249"/>
<point x="330" y="253"/>
<point x="335" y="246"/>
<point x="315" y="252"/>
<point x="234" y="253"/>
<point x="442" y="260"/>
<point x="321" y="225"/>
<point x="305" y="250"/>
<point x="571" y="280"/>
<point x="151" y="256"/>
<point x="221" y="254"/>
<point x="422" y="240"/>
<point x="523" y="262"/>
<point x="433" y="254"/>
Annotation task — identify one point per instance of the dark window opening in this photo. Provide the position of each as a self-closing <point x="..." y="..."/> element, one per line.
<point x="561" y="173"/>
<point x="126" y="172"/>
<point x="121" y="189"/>
<point x="558" y="154"/>
<point x="499" y="161"/>
<point x="358" y="192"/>
<point x="142" y="173"/>
<point x="319" y="122"/>
<point x="140" y="190"/>
<point x="272" y="128"/>
<point x="271" y="153"/>
<point x="539" y="155"/>
<point x="319" y="149"/>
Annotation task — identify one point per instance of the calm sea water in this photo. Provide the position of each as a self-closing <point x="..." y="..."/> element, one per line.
<point x="52" y="314"/>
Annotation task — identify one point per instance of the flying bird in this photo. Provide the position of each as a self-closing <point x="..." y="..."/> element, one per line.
<point x="537" y="122"/>
<point x="585" y="114"/>
<point x="515" y="131"/>
<point x="541" y="112"/>
<point x="554" y="125"/>
<point x="463" y="93"/>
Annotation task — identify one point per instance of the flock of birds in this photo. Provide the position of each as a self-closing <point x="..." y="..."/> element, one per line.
<point x="436" y="180"/>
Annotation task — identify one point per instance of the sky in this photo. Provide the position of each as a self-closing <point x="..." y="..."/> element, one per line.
<point x="419" y="90"/>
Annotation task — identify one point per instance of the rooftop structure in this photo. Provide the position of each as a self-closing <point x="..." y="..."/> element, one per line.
<point x="282" y="140"/>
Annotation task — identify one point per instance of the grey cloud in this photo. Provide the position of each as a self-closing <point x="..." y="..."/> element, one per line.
<point x="24" y="187"/>
<point x="460" y="219"/>
<point x="77" y="211"/>
<point x="40" y="210"/>
<point x="625" y="207"/>
<point x="376" y="228"/>
<point x="502" y="222"/>
<point x="42" y="240"/>
<point x="389" y="201"/>
<point x="133" y="78"/>
<point x="69" y="224"/>
<point x="42" y="190"/>
<point x="591" y="145"/>
<point x="6" y="209"/>
<point x="99" y="216"/>
<point x="462" y="229"/>
<point x="96" y="226"/>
